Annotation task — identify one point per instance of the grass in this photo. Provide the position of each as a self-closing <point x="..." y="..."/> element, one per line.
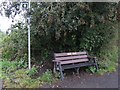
<point x="15" y="77"/>
<point x="109" y="53"/>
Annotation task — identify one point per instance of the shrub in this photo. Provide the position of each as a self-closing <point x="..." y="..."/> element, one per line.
<point x="47" y="76"/>
<point x="20" y="79"/>
<point x="32" y="71"/>
<point x="66" y="27"/>
<point x="14" y="47"/>
<point x="8" y="66"/>
<point x="15" y="77"/>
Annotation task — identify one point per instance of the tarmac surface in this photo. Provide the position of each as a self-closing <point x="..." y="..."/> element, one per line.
<point x="87" y="80"/>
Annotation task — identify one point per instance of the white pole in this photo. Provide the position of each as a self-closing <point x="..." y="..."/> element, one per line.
<point x="29" y="60"/>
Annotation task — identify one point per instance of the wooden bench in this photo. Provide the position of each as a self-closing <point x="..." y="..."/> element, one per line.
<point x="69" y="60"/>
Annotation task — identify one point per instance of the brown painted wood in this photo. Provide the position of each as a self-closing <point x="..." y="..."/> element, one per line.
<point x="70" y="57"/>
<point x="69" y="54"/>
<point x="74" y="61"/>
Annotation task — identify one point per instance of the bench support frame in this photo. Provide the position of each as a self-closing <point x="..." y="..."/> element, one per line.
<point x="59" y="67"/>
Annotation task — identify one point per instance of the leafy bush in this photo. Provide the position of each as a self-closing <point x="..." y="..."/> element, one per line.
<point x="15" y="77"/>
<point x="15" y="47"/>
<point x="20" y="79"/>
<point x="47" y="76"/>
<point x="109" y="51"/>
<point x="22" y="63"/>
<point x="8" y="67"/>
<point x="66" y="27"/>
<point x="32" y="71"/>
<point x="2" y="35"/>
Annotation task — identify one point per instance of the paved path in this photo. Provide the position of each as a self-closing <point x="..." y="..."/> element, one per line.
<point x="108" y="80"/>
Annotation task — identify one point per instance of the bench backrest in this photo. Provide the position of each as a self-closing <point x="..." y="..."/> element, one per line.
<point x="70" y="56"/>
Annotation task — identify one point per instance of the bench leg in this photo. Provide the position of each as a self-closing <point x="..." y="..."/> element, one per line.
<point x="61" y="73"/>
<point x="96" y="66"/>
<point x="54" y="70"/>
<point x="78" y="70"/>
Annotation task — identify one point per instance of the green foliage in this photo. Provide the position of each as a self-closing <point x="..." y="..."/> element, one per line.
<point x="109" y="52"/>
<point x="15" y="44"/>
<point x="22" y="63"/>
<point x="2" y="35"/>
<point x="8" y="67"/>
<point x="32" y="71"/>
<point x="118" y="40"/>
<point x="1" y="70"/>
<point x="57" y="74"/>
<point x="21" y="78"/>
<point x="72" y="27"/>
<point x="64" y="27"/>
<point x="47" y="76"/>
<point x="92" y="69"/>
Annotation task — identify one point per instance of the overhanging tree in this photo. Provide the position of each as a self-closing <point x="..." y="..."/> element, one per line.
<point x="64" y="27"/>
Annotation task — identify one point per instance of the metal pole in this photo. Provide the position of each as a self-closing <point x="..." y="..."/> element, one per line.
<point x="29" y="60"/>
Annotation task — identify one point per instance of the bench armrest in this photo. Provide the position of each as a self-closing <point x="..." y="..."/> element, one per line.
<point x="55" y="61"/>
<point x="92" y="57"/>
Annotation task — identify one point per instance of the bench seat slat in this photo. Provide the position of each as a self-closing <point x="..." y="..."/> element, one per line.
<point x="69" y="53"/>
<point x="70" y="57"/>
<point x="74" y="61"/>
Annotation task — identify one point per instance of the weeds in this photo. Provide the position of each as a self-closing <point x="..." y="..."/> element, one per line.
<point x="32" y="71"/>
<point x="47" y="76"/>
<point x="15" y="77"/>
